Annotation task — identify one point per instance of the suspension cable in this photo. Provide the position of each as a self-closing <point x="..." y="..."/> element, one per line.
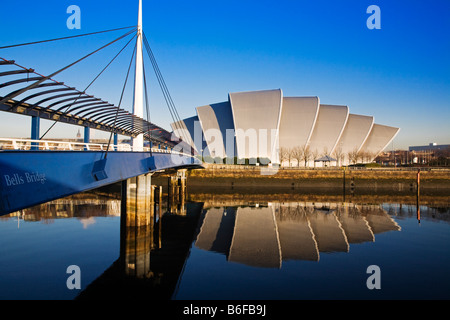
<point x="63" y="38"/>
<point x="35" y="84"/>
<point x="170" y="104"/>
<point x="120" y="100"/>
<point x="149" y="131"/>
<point x="84" y="91"/>
<point x="158" y="76"/>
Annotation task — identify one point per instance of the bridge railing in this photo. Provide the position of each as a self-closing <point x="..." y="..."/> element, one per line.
<point x="29" y="144"/>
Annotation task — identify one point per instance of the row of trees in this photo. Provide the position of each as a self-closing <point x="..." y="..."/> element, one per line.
<point x="299" y="155"/>
<point x="304" y="154"/>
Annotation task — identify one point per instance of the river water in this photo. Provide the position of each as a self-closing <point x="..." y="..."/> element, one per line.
<point x="230" y="245"/>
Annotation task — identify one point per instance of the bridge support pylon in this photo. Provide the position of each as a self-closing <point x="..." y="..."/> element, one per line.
<point x="138" y="201"/>
<point x="177" y="191"/>
<point x="136" y="246"/>
<point x="141" y="214"/>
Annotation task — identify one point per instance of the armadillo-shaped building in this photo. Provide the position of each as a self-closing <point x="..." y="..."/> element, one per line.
<point x="265" y="124"/>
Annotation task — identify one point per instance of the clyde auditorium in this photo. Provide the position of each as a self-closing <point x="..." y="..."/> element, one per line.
<point x="267" y="125"/>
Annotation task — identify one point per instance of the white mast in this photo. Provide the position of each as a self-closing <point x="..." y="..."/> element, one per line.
<point x="138" y="108"/>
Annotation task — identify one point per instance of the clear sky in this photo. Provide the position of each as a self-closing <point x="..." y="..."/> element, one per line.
<point x="208" y="48"/>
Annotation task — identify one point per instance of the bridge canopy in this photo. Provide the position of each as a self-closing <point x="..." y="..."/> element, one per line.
<point x="56" y="101"/>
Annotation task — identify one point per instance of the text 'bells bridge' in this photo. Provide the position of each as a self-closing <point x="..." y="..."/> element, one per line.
<point x="34" y="171"/>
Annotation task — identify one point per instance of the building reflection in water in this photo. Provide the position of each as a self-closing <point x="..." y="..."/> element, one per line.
<point x="85" y="209"/>
<point x="266" y="235"/>
<point x="259" y="234"/>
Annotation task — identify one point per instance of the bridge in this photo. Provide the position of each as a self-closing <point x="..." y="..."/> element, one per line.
<point x="35" y="170"/>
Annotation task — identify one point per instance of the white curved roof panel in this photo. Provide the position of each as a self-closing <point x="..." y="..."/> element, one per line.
<point x="298" y="118"/>
<point x="328" y="232"/>
<point x="190" y="131"/>
<point x="180" y="130"/>
<point x="379" y="138"/>
<point x="330" y="124"/>
<point x="255" y="238"/>
<point x="355" y="133"/>
<point x="215" y="120"/>
<point x="256" y="117"/>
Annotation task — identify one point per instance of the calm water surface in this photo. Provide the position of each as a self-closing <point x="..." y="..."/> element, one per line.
<point x="303" y="248"/>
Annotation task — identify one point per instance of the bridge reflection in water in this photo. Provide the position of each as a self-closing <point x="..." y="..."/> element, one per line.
<point x="152" y="259"/>
<point x="266" y="235"/>
<point x="151" y="255"/>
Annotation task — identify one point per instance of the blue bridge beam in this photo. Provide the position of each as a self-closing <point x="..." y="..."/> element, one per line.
<point x="35" y="131"/>
<point x="87" y="136"/>
<point x="31" y="178"/>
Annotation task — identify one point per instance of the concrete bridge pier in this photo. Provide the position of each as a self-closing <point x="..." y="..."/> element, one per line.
<point x="177" y="191"/>
<point x="171" y="188"/>
<point x="138" y="199"/>
<point x="182" y="185"/>
<point x="137" y="225"/>
<point x="158" y="217"/>
<point x="136" y="246"/>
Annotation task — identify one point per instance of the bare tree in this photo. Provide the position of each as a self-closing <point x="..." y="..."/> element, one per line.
<point x="370" y="156"/>
<point x="315" y="155"/>
<point x="297" y="154"/>
<point x="284" y="154"/>
<point x="353" y="156"/>
<point x="290" y="155"/>
<point x="362" y="156"/>
<point x="306" y="154"/>
<point x="359" y="156"/>
<point x="339" y="155"/>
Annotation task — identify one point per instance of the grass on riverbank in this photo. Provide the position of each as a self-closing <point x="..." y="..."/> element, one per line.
<point x="218" y="172"/>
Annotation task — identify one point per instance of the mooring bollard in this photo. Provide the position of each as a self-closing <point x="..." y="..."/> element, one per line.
<point x="417" y="195"/>
<point x="343" y="179"/>
<point x="418" y="179"/>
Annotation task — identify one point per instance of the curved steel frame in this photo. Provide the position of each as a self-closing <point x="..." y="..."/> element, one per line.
<point x="89" y="111"/>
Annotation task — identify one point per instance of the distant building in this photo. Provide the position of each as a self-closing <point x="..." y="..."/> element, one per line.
<point x="430" y="147"/>
<point x="429" y="153"/>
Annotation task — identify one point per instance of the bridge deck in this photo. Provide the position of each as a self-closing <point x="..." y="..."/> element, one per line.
<point x="29" y="178"/>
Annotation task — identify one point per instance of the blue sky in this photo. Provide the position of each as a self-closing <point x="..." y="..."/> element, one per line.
<point x="206" y="49"/>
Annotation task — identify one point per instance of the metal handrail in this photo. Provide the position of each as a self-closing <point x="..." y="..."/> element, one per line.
<point x="30" y="144"/>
